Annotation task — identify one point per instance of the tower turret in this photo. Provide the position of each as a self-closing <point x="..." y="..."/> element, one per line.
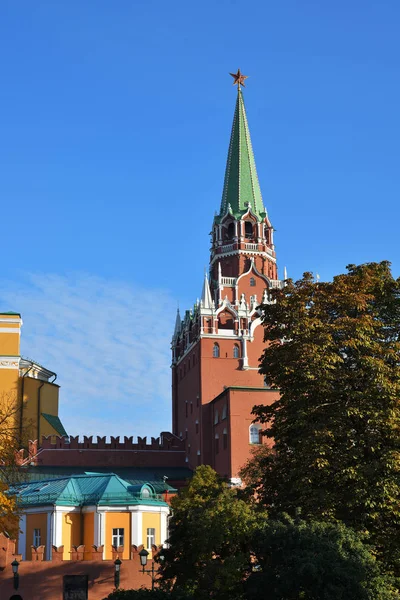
<point x="217" y="345"/>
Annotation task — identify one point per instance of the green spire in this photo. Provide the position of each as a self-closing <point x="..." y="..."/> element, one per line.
<point x="241" y="182"/>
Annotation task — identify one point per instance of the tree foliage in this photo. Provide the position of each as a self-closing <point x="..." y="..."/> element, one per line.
<point x="314" y="561"/>
<point x="210" y="536"/>
<point x="333" y="352"/>
<point x="10" y="443"/>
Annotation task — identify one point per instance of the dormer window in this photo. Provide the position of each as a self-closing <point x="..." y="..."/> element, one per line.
<point x="236" y="351"/>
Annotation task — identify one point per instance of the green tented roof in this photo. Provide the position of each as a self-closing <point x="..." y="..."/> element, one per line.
<point x="88" y="489"/>
<point x="55" y="423"/>
<point x="241" y="185"/>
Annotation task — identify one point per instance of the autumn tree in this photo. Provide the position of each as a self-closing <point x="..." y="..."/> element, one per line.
<point x="12" y="438"/>
<point x="333" y="352"/>
<point x="210" y="537"/>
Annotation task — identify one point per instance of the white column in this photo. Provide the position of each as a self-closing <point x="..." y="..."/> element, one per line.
<point x="163" y="526"/>
<point x="236" y="229"/>
<point x="50" y="530"/>
<point x="137" y="528"/>
<point x="97" y="529"/>
<point x="22" y="537"/>
<point x="245" y="358"/>
<point x="57" y="528"/>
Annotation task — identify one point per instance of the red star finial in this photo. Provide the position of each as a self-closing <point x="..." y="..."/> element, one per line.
<point x="239" y="78"/>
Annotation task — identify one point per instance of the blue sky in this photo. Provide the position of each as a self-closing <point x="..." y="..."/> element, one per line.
<point x="115" y="120"/>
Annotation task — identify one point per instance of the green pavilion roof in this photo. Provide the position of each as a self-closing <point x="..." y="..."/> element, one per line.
<point x="241" y="185"/>
<point x="87" y="489"/>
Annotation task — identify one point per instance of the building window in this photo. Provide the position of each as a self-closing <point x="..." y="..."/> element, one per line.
<point x="255" y="434"/>
<point x="266" y="383"/>
<point x="191" y="408"/>
<point x="197" y="426"/>
<point x="117" y="537"/>
<point x="236" y="351"/>
<point x="248" y="230"/>
<point x="198" y="457"/>
<point x="37" y="538"/>
<point x="186" y="408"/>
<point x="216" y="351"/>
<point x="197" y="400"/>
<point x="225" y="439"/>
<point x="224" y="412"/>
<point x="252" y="282"/>
<point x="216" y="417"/>
<point x="151" y="537"/>
<point x="216" y="443"/>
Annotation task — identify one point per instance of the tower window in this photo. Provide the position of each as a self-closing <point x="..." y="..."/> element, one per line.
<point x="216" y="443"/>
<point x="236" y="351"/>
<point x="224" y="412"/>
<point x="216" y="417"/>
<point x="255" y="434"/>
<point x="186" y="408"/>
<point x="216" y="351"/>
<point x="230" y="231"/>
<point x="248" y="230"/>
<point x="252" y="282"/>
<point x="197" y="426"/>
<point x="225" y="439"/>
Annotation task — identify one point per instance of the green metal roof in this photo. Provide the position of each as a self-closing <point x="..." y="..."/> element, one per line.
<point x="241" y="185"/>
<point x="55" y="423"/>
<point x="90" y="488"/>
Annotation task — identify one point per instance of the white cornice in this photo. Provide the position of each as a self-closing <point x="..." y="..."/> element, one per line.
<point x="10" y="330"/>
<point x="248" y="252"/>
<point x="9" y="362"/>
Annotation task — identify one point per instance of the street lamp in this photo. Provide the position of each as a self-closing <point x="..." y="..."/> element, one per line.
<point x="15" y="565"/>
<point x="117" y="567"/>
<point x="143" y="554"/>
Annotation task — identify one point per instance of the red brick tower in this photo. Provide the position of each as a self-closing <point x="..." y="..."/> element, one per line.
<point x="217" y="345"/>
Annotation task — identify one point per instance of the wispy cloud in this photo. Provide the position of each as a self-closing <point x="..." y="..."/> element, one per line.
<point x="109" y="343"/>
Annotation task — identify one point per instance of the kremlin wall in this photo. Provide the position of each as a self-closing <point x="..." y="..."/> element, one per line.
<point x="89" y="501"/>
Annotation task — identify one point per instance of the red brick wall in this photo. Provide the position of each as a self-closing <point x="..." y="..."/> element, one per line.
<point x="44" y="581"/>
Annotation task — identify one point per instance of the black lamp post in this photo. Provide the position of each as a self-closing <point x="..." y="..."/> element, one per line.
<point x="117" y="567"/>
<point x="15" y="565"/>
<point x="143" y="554"/>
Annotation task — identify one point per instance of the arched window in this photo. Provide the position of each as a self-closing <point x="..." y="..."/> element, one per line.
<point x="236" y="351"/>
<point x="216" y="351"/>
<point x="216" y="417"/>
<point x="252" y="282"/>
<point x="254" y="434"/>
<point x="248" y="230"/>
<point x="197" y="426"/>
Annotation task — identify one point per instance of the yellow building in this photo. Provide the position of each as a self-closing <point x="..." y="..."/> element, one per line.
<point x="91" y="509"/>
<point x="28" y="391"/>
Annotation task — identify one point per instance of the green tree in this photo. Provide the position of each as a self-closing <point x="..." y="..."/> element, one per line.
<point x="333" y="352"/>
<point x="314" y="561"/>
<point x="210" y="535"/>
